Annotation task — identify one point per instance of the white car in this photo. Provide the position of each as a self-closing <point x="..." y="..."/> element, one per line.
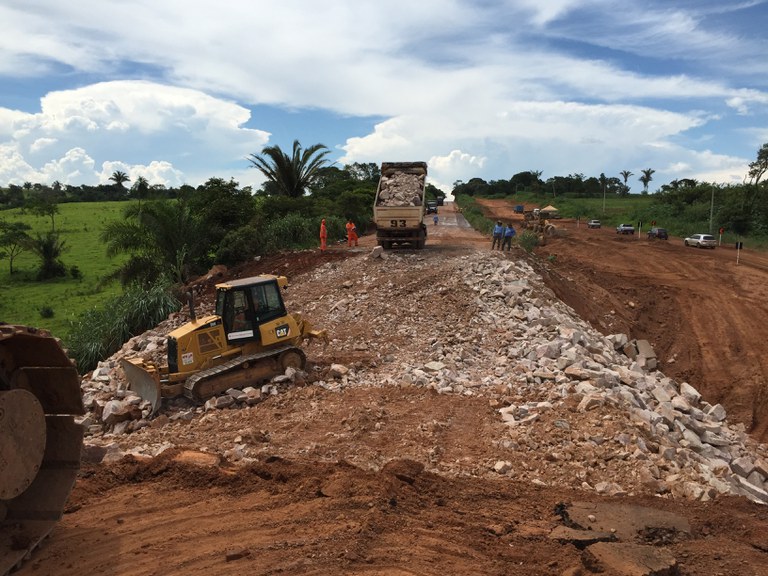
<point x="701" y="241"/>
<point x="593" y="224"/>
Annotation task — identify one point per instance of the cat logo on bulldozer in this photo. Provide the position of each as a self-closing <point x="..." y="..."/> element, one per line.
<point x="282" y="331"/>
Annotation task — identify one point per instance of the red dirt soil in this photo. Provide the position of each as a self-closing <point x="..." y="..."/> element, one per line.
<point x="309" y="506"/>
<point x="703" y="312"/>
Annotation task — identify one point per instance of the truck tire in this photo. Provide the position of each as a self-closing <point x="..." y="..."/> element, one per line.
<point x="40" y="442"/>
<point x="422" y="241"/>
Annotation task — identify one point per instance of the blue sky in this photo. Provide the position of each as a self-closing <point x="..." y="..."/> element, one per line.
<point x="183" y="91"/>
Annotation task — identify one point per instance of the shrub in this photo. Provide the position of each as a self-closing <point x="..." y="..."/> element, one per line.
<point x="528" y="240"/>
<point x="240" y="245"/>
<point x="46" y="312"/>
<point x="474" y="214"/>
<point x="49" y="248"/>
<point x="291" y="231"/>
<point x="75" y="272"/>
<point x="99" y="333"/>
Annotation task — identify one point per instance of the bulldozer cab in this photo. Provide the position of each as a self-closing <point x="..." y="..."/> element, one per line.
<point x="245" y="305"/>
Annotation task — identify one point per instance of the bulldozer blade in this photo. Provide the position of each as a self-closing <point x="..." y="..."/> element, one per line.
<point x="143" y="383"/>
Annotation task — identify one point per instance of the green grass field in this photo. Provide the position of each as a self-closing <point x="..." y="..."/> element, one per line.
<point x="80" y="224"/>
<point x="613" y="211"/>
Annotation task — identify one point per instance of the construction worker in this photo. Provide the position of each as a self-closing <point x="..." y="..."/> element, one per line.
<point x="323" y="235"/>
<point x="435" y="219"/>
<point x="509" y="233"/>
<point x="498" y="235"/>
<point x="351" y="233"/>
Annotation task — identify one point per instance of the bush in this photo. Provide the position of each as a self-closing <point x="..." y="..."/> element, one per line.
<point x="99" y="333"/>
<point x="474" y="214"/>
<point x="291" y="231"/>
<point x="75" y="272"/>
<point x="240" y="245"/>
<point x="528" y="240"/>
<point x="46" y="312"/>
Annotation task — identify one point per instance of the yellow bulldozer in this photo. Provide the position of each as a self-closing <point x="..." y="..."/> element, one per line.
<point x="539" y="225"/>
<point x="250" y="338"/>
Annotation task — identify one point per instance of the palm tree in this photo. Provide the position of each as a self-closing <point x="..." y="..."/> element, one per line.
<point x="119" y="178"/>
<point x="162" y="238"/>
<point x="140" y="189"/>
<point x="291" y="175"/>
<point x="646" y="178"/>
<point x="49" y="248"/>
<point x="626" y="174"/>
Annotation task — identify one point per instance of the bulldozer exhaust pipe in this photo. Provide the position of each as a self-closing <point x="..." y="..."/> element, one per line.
<point x="191" y="303"/>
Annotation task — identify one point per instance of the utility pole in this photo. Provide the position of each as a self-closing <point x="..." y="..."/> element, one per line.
<point x="603" y="198"/>
<point x="711" y="209"/>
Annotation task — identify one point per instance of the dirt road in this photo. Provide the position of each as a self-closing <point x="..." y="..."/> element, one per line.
<point x="703" y="312"/>
<point x="396" y="480"/>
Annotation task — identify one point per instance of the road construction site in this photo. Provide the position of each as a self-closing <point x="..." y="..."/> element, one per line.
<point x="474" y="412"/>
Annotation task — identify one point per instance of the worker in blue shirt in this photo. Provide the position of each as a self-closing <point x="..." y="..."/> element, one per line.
<point x="498" y="235"/>
<point x="509" y="233"/>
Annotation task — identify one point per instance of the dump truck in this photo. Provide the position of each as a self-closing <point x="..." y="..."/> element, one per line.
<point x="398" y="210"/>
<point x="250" y="338"/>
<point x="40" y="441"/>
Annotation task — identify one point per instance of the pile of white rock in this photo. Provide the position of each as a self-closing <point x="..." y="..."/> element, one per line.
<point x="585" y="404"/>
<point x="401" y="189"/>
<point x="581" y="410"/>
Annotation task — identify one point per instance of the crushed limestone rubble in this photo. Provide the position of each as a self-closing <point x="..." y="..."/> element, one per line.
<point x="580" y="409"/>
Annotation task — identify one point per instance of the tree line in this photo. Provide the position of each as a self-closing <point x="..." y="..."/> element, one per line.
<point x="739" y="208"/>
<point x="180" y="232"/>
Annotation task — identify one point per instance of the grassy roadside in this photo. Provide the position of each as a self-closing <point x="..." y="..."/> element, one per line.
<point x="613" y="211"/>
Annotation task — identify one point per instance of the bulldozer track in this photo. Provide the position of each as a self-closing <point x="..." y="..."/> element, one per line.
<point x="260" y="370"/>
<point x="40" y="443"/>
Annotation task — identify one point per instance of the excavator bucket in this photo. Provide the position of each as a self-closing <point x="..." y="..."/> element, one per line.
<point x="40" y="443"/>
<point x="145" y="382"/>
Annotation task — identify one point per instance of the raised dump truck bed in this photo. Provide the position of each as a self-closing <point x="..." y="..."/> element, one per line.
<point x="398" y="210"/>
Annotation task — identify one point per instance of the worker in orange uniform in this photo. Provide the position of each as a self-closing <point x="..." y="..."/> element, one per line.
<point x="323" y="235"/>
<point x="351" y="233"/>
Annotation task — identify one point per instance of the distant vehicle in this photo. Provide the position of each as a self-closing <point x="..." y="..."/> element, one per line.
<point x="701" y="241"/>
<point x="440" y="200"/>
<point x="519" y="209"/>
<point x="659" y="233"/>
<point x="593" y="224"/>
<point x="431" y="206"/>
<point x="625" y="229"/>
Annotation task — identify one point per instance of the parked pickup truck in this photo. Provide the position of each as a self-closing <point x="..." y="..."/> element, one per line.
<point x="625" y="229"/>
